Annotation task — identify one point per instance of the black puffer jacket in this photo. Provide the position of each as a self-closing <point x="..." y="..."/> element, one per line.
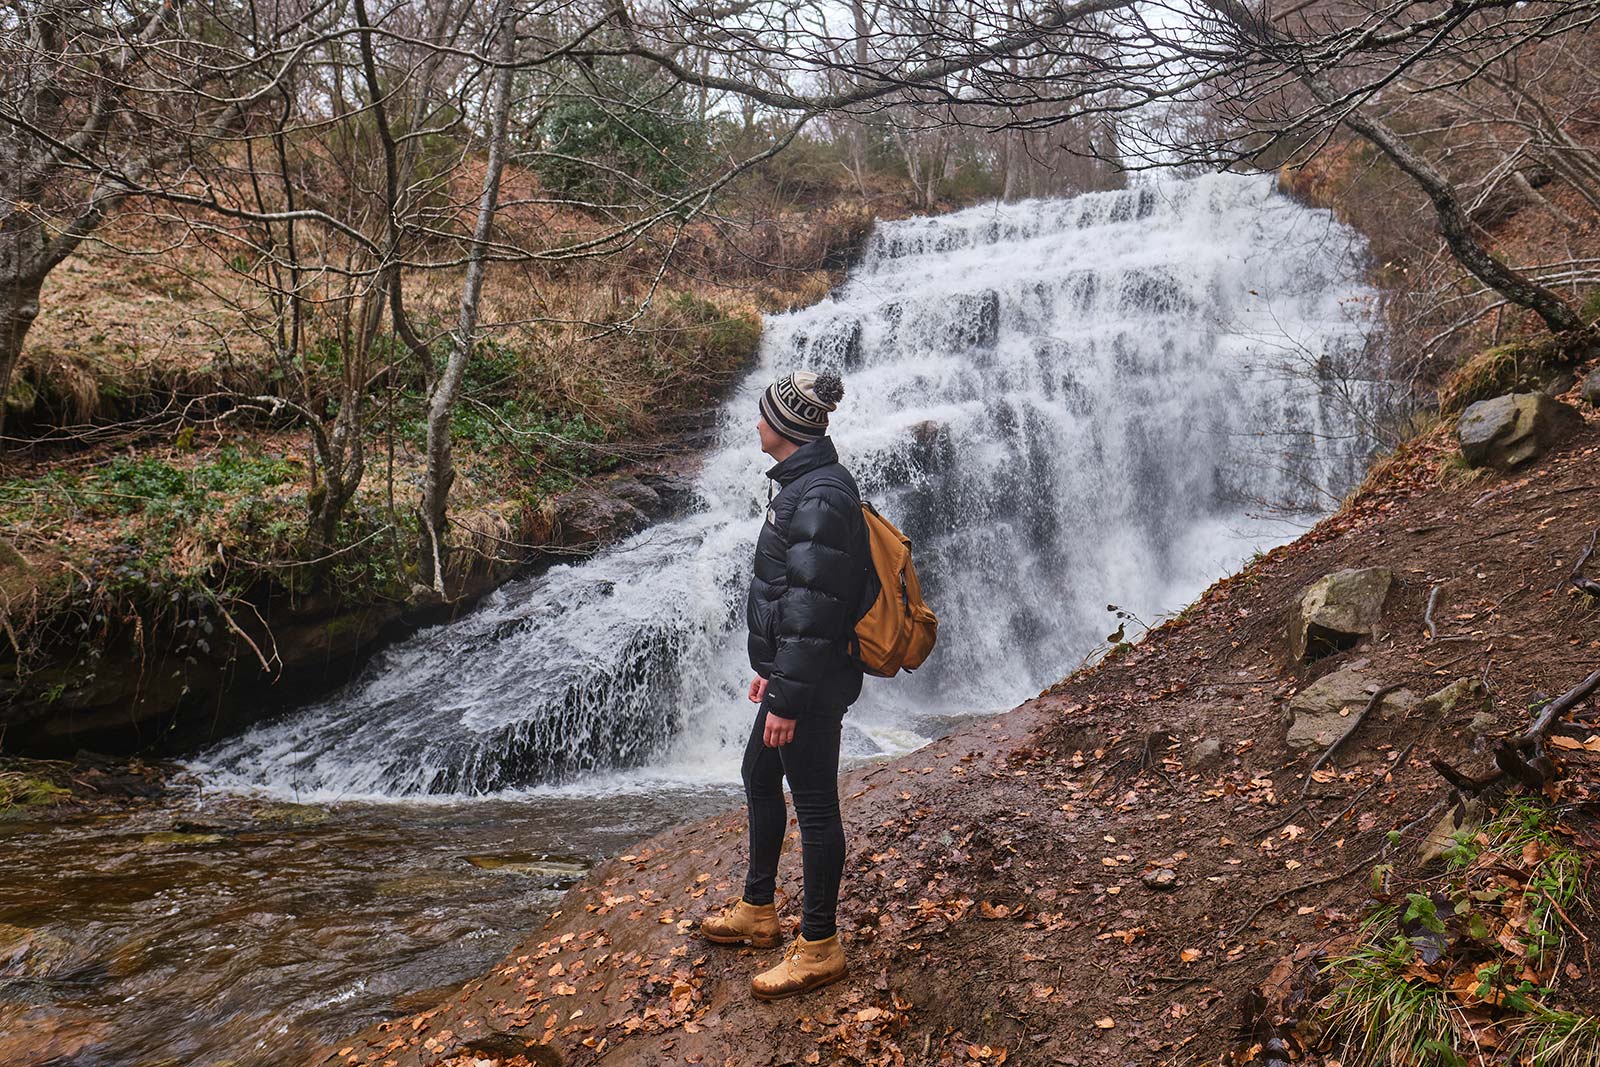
<point x="813" y="581"/>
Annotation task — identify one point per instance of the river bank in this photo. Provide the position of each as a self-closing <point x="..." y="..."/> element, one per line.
<point x="1129" y="868"/>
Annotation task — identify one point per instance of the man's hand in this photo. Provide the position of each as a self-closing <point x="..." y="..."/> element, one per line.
<point x="779" y="731"/>
<point x="758" y="689"/>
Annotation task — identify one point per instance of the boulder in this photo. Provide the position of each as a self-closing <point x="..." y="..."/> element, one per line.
<point x="1591" y="388"/>
<point x="1510" y="430"/>
<point x="592" y="517"/>
<point x="1559" y="384"/>
<point x="1337" y="610"/>
<point x="561" y="871"/>
<point x="1322" y="711"/>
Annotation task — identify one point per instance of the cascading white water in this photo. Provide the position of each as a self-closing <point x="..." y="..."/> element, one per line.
<point x="1108" y="399"/>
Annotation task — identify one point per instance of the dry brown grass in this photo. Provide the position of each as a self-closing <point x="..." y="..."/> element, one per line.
<point x="1518" y="367"/>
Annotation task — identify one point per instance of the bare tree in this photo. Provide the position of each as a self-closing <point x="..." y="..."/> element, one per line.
<point x="442" y="399"/>
<point x="81" y="87"/>
<point x="1345" y="63"/>
<point x="352" y="151"/>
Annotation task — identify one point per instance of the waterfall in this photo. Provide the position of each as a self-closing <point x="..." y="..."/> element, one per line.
<point x="1109" y="399"/>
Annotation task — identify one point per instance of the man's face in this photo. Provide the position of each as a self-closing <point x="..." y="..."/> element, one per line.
<point x="771" y="441"/>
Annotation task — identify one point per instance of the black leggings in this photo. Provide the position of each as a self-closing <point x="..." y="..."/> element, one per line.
<point x="811" y="763"/>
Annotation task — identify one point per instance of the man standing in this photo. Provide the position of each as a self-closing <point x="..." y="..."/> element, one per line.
<point x="813" y="580"/>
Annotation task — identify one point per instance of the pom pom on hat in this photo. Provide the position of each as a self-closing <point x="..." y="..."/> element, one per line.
<point x="828" y="389"/>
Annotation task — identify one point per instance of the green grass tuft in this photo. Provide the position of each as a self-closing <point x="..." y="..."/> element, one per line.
<point x="1548" y="1038"/>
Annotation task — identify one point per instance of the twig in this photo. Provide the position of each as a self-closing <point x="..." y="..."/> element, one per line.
<point x="227" y="618"/>
<point x="1287" y="893"/>
<point x="1564" y="916"/>
<point x="286" y="564"/>
<point x="1377" y="780"/>
<point x="1296" y="810"/>
<point x="1427" y="616"/>
<point x="1582" y="584"/>
<point x="1377" y="698"/>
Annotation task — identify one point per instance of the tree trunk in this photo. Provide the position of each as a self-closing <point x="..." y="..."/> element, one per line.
<point x="342" y="452"/>
<point x="441" y="475"/>
<point x="1456" y="228"/>
<point x="858" y="131"/>
<point x="19" y="306"/>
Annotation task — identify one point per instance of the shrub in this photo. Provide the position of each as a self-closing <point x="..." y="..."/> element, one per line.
<point x="623" y="140"/>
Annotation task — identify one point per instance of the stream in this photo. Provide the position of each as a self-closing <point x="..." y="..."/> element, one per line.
<point x="1112" y="399"/>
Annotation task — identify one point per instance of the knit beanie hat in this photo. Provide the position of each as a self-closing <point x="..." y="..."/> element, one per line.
<point x="797" y="404"/>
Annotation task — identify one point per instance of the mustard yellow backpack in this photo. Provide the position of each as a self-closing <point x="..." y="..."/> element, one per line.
<point x="899" y="630"/>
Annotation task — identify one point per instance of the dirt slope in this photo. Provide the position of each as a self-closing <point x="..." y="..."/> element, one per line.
<point x="996" y="906"/>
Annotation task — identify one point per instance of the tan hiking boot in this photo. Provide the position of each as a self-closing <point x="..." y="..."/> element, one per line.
<point x="741" y="923"/>
<point x="806" y="966"/>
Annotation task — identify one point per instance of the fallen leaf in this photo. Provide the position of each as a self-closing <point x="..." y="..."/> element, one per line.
<point x="1106" y="1023"/>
